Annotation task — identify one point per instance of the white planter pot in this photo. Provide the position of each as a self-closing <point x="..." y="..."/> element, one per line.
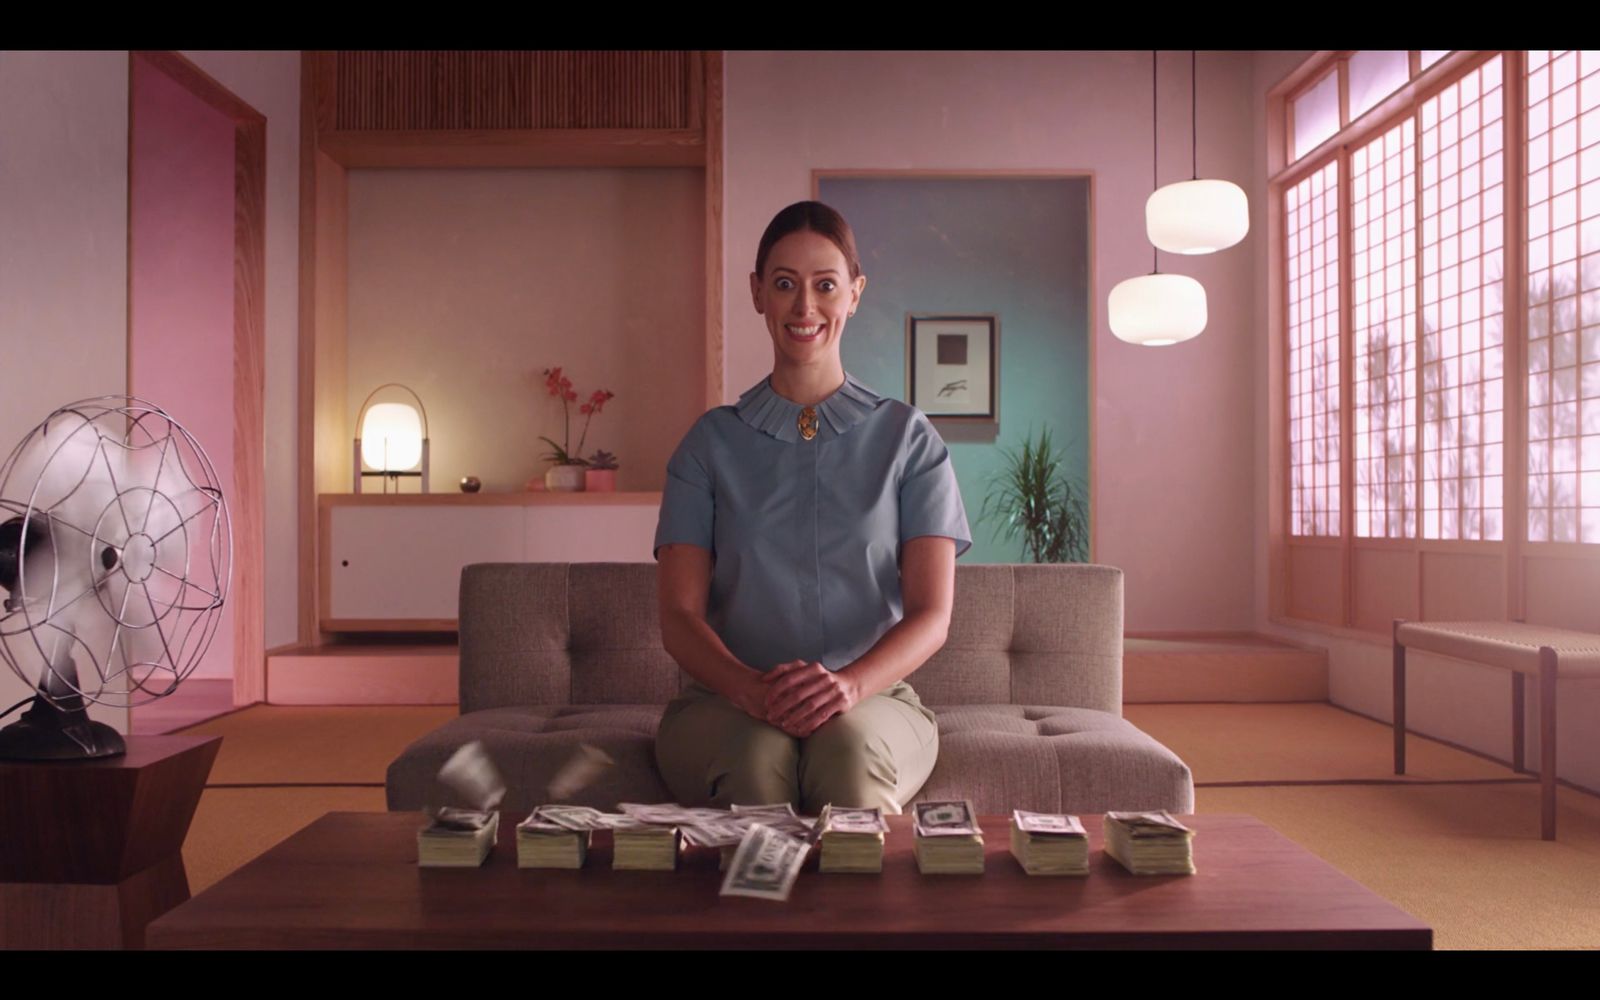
<point x="564" y="479"/>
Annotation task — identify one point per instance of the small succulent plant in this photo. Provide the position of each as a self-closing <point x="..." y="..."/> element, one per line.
<point x="602" y="460"/>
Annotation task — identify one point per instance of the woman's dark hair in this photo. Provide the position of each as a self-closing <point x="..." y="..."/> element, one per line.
<point x="818" y="218"/>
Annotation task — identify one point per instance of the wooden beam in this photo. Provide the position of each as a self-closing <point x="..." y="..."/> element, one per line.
<point x="518" y="148"/>
<point x="249" y="420"/>
<point x="712" y="89"/>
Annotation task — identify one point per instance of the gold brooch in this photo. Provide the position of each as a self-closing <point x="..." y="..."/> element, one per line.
<point x="808" y="422"/>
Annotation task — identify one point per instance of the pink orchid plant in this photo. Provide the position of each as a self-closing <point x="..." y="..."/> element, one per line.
<point x="559" y="386"/>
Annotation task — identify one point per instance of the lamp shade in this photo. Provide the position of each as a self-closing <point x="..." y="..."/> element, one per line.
<point x="1157" y="309"/>
<point x="1195" y="217"/>
<point x="391" y="437"/>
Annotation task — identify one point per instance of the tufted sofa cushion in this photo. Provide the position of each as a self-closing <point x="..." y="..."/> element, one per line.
<point x="1029" y="680"/>
<point x="1002" y="757"/>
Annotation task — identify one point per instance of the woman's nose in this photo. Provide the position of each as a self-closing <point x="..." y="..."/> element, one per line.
<point x="802" y="301"/>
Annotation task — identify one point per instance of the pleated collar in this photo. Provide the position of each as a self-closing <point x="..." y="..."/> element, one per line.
<point x="762" y="408"/>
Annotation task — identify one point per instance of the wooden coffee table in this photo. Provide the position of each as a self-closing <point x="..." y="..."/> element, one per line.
<point x="350" y="880"/>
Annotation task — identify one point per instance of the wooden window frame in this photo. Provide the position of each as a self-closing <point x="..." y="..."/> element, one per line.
<point x="1513" y="547"/>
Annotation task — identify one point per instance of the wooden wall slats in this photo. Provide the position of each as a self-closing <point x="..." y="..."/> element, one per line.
<point x="438" y="90"/>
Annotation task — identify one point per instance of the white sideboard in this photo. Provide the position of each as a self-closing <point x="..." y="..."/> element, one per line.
<point x="393" y="563"/>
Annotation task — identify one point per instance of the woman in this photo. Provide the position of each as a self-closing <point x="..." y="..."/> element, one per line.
<point x="806" y="546"/>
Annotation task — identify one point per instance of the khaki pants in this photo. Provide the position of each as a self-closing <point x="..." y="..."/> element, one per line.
<point x="877" y="754"/>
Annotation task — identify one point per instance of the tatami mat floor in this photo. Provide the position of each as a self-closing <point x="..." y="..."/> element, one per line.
<point x="1455" y="843"/>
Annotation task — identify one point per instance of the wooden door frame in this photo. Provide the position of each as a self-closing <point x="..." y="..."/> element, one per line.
<point x="246" y="499"/>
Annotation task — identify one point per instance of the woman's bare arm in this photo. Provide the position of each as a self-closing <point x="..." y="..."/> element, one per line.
<point x="683" y="577"/>
<point x="801" y="698"/>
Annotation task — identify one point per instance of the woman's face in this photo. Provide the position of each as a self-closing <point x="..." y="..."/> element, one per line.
<point x="806" y="295"/>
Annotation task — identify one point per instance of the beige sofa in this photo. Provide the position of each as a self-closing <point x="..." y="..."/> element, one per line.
<point x="1028" y="690"/>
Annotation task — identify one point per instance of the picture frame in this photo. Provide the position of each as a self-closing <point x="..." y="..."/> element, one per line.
<point x="953" y="367"/>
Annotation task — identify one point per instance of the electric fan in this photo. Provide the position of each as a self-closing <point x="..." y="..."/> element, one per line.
<point x="116" y="559"/>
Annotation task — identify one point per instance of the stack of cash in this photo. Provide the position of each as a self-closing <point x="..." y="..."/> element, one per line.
<point x="949" y="841"/>
<point x="852" y="840"/>
<point x="718" y="828"/>
<point x="457" y="838"/>
<point x="1049" y="843"/>
<point x="642" y="846"/>
<point x="555" y="837"/>
<point x="766" y="864"/>
<point x="1150" y="843"/>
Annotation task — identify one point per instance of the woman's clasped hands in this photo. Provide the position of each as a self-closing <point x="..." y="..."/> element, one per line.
<point x="801" y="696"/>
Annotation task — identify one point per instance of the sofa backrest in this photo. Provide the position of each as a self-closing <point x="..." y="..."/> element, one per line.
<point x="589" y="634"/>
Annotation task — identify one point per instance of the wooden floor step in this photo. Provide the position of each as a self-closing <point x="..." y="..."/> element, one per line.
<point x="365" y="674"/>
<point x="1224" y="667"/>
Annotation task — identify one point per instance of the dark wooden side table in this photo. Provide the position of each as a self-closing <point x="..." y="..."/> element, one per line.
<point x="91" y="851"/>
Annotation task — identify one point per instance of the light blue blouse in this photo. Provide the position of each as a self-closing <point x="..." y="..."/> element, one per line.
<point x="805" y="534"/>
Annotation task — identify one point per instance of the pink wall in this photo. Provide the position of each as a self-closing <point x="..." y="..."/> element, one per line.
<point x="269" y="82"/>
<point x="597" y="270"/>
<point x="180" y="352"/>
<point x="1174" y="464"/>
<point x="63" y="246"/>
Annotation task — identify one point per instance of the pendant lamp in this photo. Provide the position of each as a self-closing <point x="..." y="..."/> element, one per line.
<point x="1156" y="309"/>
<point x="1197" y="216"/>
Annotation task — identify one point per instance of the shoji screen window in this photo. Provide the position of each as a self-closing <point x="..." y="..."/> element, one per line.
<point x="1563" y="93"/>
<point x="1463" y="235"/>
<point x="1383" y="272"/>
<point x="1311" y="211"/>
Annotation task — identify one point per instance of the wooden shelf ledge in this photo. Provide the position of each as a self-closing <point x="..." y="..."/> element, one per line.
<point x="527" y="499"/>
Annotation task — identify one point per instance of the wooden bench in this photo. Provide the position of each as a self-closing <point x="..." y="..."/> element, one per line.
<point x="1538" y="650"/>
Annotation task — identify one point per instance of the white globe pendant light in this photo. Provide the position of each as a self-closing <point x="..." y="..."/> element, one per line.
<point x="1197" y="216"/>
<point x="1155" y="309"/>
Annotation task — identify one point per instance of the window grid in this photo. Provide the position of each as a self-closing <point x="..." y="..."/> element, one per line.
<point x="1563" y="153"/>
<point x="1463" y="351"/>
<point x="1384" y="310"/>
<point x="1311" y="212"/>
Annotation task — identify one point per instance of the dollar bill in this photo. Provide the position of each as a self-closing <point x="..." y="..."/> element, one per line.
<point x="775" y="809"/>
<point x="575" y="818"/>
<point x="867" y="821"/>
<point x="725" y="832"/>
<point x="451" y="820"/>
<point x="1049" y="824"/>
<point x="766" y="864"/>
<point x="579" y="772"/>
<point x="1150" y="824"/>
<point x="471" y="775"/>
<point x="669" y="813"/>
<point x="946" y="819"/>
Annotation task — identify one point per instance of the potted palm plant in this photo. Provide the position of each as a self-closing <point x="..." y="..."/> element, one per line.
<point x="1034" y="496"/>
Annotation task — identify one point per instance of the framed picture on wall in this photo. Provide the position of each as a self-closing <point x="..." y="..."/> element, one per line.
<point x="953" y="366"/>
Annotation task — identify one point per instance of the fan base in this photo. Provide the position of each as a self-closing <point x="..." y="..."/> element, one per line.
<point x="47" y="733"/>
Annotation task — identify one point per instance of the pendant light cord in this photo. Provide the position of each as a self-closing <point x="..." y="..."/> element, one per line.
<point x="1194" y="116"/>
<point x="1155" y="159"/>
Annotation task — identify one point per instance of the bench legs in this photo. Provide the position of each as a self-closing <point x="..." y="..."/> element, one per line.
<point x="1547" y="742"/>
<point x="1399" y="701"/>
<point x="1519" y="733"/>
<point x="1547" y="726"/>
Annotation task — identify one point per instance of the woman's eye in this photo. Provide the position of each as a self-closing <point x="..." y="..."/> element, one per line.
<point x="784" y="284"/>
<point x="826" y="286"/>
